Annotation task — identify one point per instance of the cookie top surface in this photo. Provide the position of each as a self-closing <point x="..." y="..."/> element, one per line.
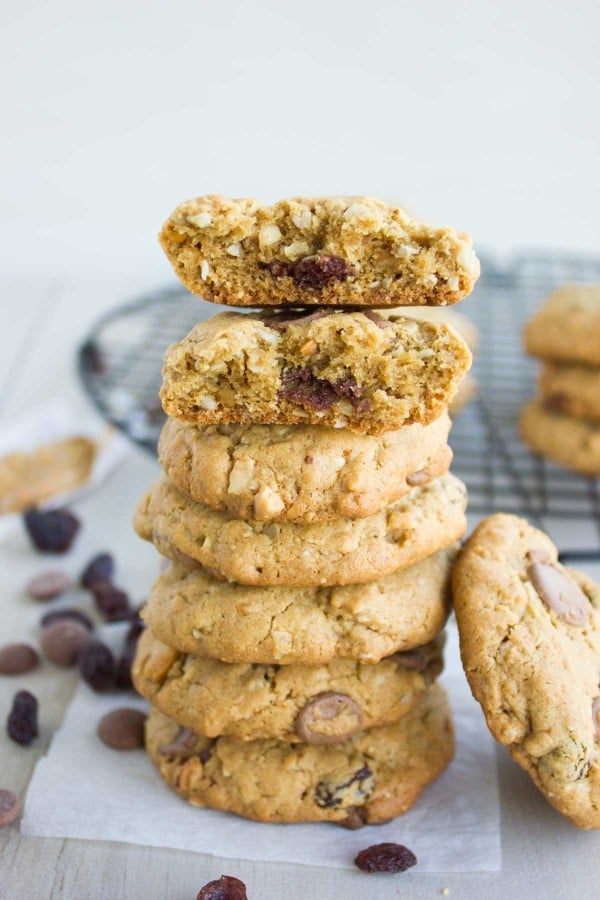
<point x="343" y="551"/>
<point x="370" y="778"/>
<point x="567" y="326"/>
<point x="194" y="613"/>
<point x="344" y="369"/>
<point x="461" y="323"/>
<point x="567" y="440"/>
<point x="313" y="704"/>
<point x="301" y="473"/>
<point x="530" y="645"/>
<point x="315" y="251"/>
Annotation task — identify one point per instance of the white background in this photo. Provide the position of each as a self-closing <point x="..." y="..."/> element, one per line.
<point x="482" y="115"/>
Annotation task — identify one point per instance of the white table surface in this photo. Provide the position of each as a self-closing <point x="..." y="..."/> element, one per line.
<point x="543" y="856"/>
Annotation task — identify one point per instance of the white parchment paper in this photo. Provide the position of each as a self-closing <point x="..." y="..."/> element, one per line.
<point x="82" y="789"/>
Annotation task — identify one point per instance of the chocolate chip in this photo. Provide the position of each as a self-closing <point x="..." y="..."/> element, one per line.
<point x="111" y="601"/>
<point x="355" y="818"/>
<point x="62" y="641"/>
<point x="122" y="729"/>
<point x="205" y="755"/>
<point x="183" y="747"/>
<point x="385" y="858"/>
<point x="302" y="387"/>
<point x="596" y="718"/>
<point x="279" y="322"/>
<point x="329" y="718"/>
<point x="316" y="272"/>
<point x="66" y="614"/>
<point x="99" y="569"/>
<point x="413" y="660"/>
<point x="16" y="659"/>
<point x="48" y="585"/>
<point x="9" y="807"/>
<point x="97" y="667"/>
<point x="22" y="723"/>
<point x="376" y="318"/>
<point x="560" y="594"/>
<point x="332" y="795"/>
<point x="539" y="556"/>
<point x="556" y="402"/>
<point x="277" y="268"/>
<point x="417" y="478"/>
<point x="52" y="531"/>
<point x="224" y="888"/>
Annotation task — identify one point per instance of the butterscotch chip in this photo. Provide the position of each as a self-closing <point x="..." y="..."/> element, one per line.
<point x="374" y="776"/>
<point x="571" y="442"/>
<point x="301" y="473"/>
<point x="566" y="328"/>
<point x="249" y="368"/>
<point x="530" y="644"/>
<point x="344" y="251"/>
<point x="316" y="704"/>
<point x="343" y="551"/>
<point x="194" y="613"/>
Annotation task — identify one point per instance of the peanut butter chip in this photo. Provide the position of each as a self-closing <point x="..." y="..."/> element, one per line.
<point x="329" y="718"/>
<point x="560" y="594"/>
<point x="596" y="717"/>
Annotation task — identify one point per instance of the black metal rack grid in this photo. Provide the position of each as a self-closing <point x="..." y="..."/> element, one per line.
<point x="120" y="364"/>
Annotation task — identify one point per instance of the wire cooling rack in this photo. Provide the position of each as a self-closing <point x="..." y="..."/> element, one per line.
<point x="120" y="362"/>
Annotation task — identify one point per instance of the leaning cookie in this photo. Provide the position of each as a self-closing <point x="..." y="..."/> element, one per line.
<point x="343" y="551"/>
<point x="343" y="369"/>
<point x="367" y="780"/>
<point x="571" y="389"/>
<point x="301" y="473"/>
<point x="193" y="613"/>
<point x="344" y="251"/>
<point x="567" y="327"/>
<point x="571" y="442"/>
<point x="530" y="645"/>
<point x="313" y="704"/>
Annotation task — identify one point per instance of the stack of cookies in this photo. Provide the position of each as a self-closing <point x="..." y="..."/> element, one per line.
<point x="564" y="422"/>
<point x="306" y="512"/>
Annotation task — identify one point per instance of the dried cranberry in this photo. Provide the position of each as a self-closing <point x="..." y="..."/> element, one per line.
<point x="99" y="569"/>
<point x="58" y="615"/>
<point x="98" y="667"/>
<point x="224" y="888"/>
<point x="111" y="601"/>
<point x="52" y="531"/>
<point x="385" y="858"/>
<point x="22" y="723"/>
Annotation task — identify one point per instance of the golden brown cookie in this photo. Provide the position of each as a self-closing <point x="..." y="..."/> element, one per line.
<point x="301" y="473"/>
<point x="369" y="779"/>
<point x="315" y="251"/>
<point x="343" y="551"/>
<point x="567" y="327"/>
<point x="573" y="443"/>
<point x="571" y="389"/>
<point x="350" y="370"/>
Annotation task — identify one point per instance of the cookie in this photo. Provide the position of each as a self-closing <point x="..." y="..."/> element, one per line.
<point x="571" y="442"/>
<point x="530" y="645"/>
<point x="567" y="327"/>
<point x="301" y="473"/>
<point x="194" y="613"/>
<point x="343" y="369"/>
<point x="27" y="479"/>
<point x="343" y="551"/>
<point x="314" y="704"/>
<point x="370" y="778"/>
<point x="574" y="390"/>
<point x="315" y="251"/>
<point x="466" y="393"/>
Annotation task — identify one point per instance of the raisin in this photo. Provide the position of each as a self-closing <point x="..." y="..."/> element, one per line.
<point x="99" y="569"/>
<point x="302" y="387"/>
<point x="52" y="531"/>
<point x="124" y="664"/>
<point x="135" y="629"/>
<point x="331" y="795"/>
<point x="22" y="723"/>
<point x="58" y="615"/>
<point x="111" y="601"/>
<point x="385" y="858"/>
<point x="98" y="667"/>
<point x="317" y="272"/>
<point x="224" y="888"/>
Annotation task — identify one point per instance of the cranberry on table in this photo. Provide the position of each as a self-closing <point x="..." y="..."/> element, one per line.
<point x="17" y="659"/>
<point x="385" y="858"/>
<point x="98" y="667"/>
<point x="122" y="729"/>
<point x="52" y="531"/>
<point x="48" y="585"/>
<point x="224" y="888"/>
<point x="111" y="601"/>
<point x="100" y="568"/>
<point x="10" y="807"/>
<point x="22" y="723"/>
<point x="61" y="641"/>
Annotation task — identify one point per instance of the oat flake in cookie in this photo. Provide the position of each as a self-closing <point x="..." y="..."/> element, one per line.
<point x="311" y="251"/>
<point x="530" y="645"/>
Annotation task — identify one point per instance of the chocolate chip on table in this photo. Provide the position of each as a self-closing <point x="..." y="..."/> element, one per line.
<point x="48" y="585"/>
<point x="10" y="807"/>
<point x="66" y="614"/>
<point x="98" y="667"/>
<point x="52" y="531"/>
<point x="17" y="659"/>
<point x="22" y="723"/>
<point x="100" y="568"/>
<point x="302" y="387"/>
<point x="329" y="718"/>
<point x="385" y="858"/>
<point x="224" y="888"/>
<point x="122" y="729"/>
<point x="560" y="594"/>
<point x="62" y="641"/>
<point x="111" y="601"/>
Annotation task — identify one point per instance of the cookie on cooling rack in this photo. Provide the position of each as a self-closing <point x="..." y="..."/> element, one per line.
<point x="567" y="327"/>
<point x="569" y="441"/>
